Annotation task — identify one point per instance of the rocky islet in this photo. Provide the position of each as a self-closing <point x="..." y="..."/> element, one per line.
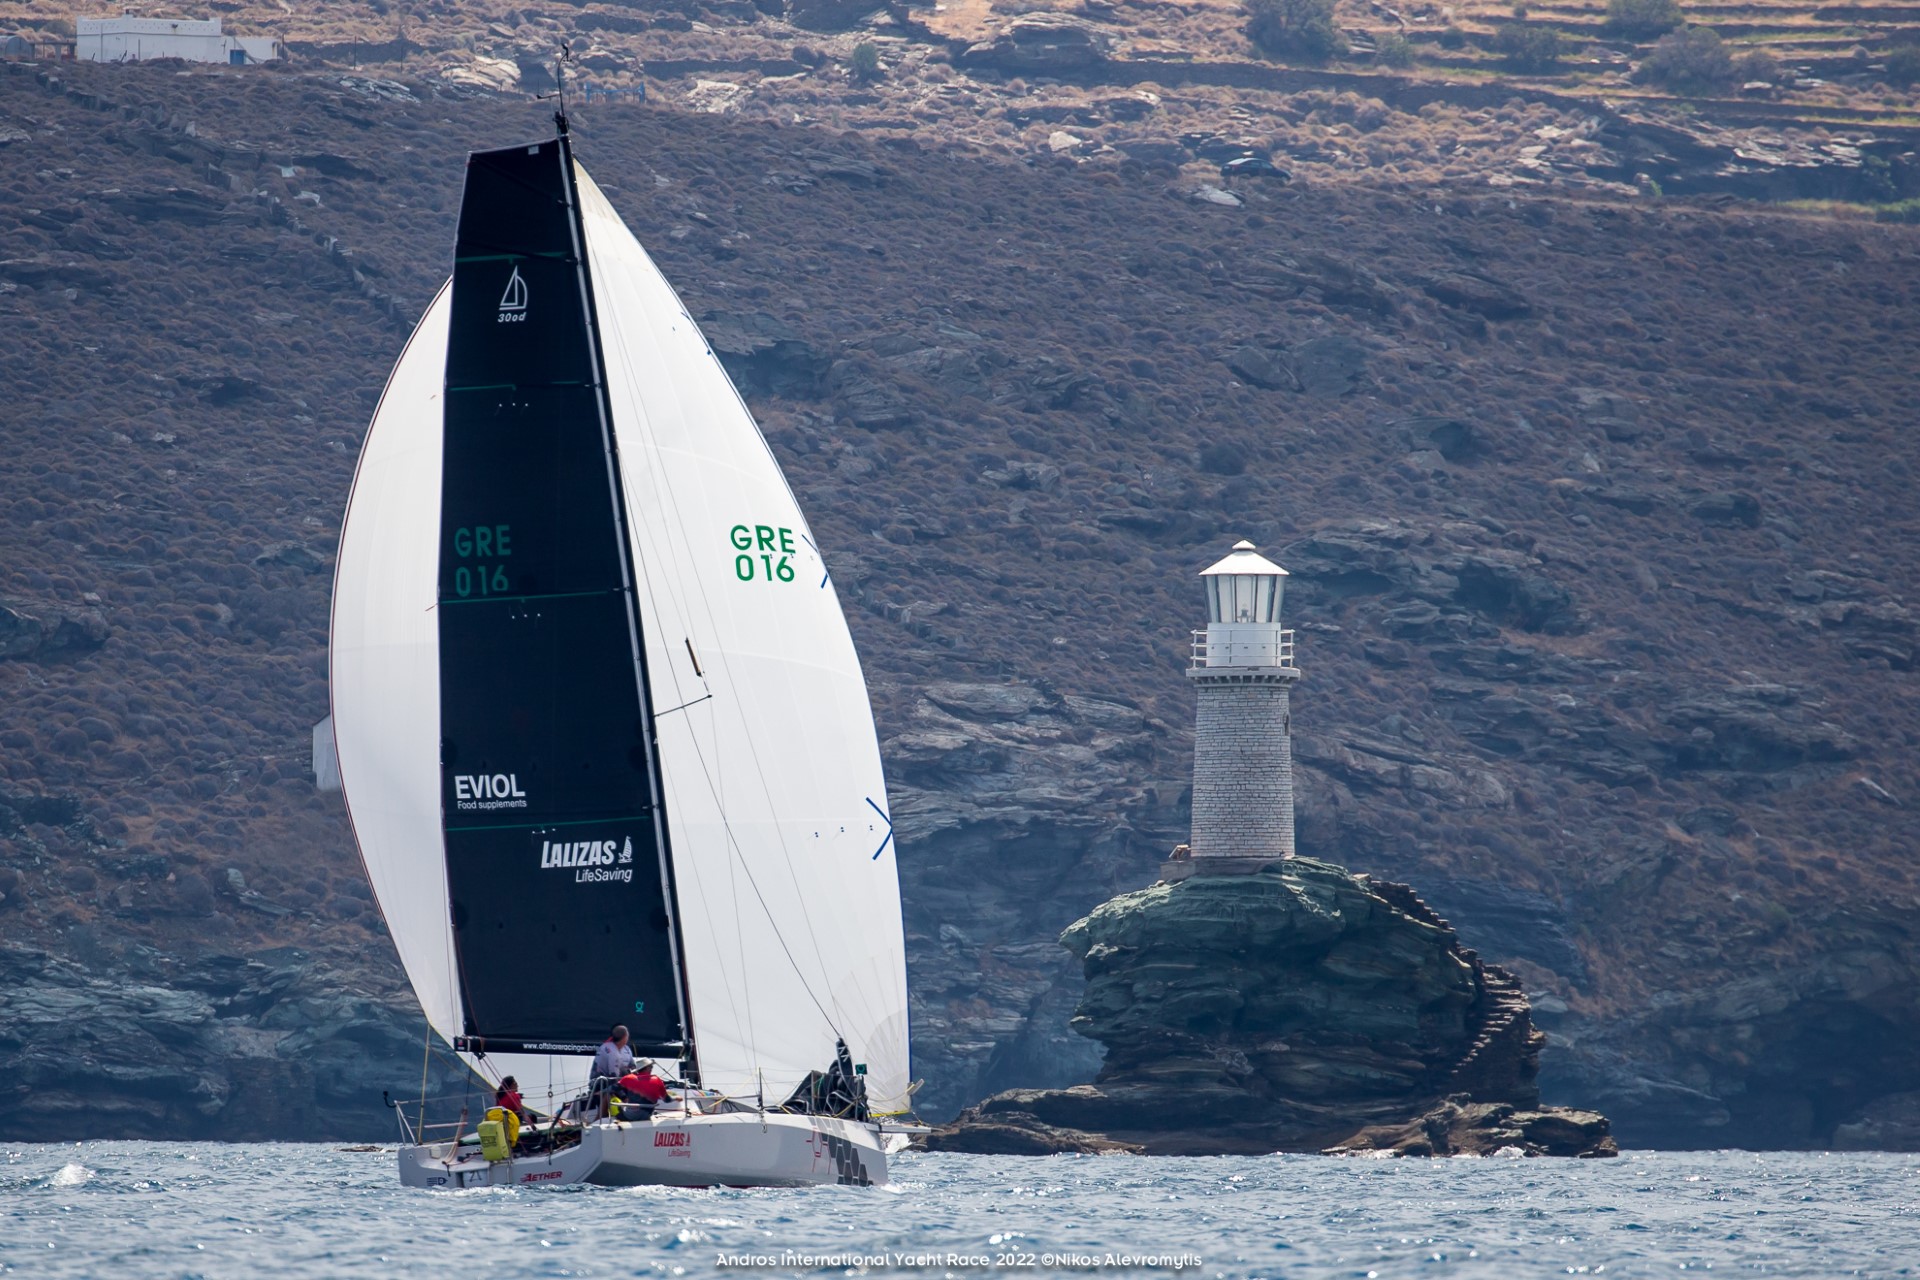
<point x="1292" y="1007"/>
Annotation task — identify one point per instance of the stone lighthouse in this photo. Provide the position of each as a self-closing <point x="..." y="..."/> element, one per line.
<point x="1243" y="671"/>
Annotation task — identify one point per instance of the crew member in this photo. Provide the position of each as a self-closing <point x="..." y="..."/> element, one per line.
<point x="508" y="1098"/>
<point x="639" y="1092"/>
<point x="610" y="1062"/>
<point x="613" y="1059"/>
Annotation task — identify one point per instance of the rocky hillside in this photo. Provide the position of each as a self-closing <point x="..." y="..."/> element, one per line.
<point x="1794" y="100"/>
<point x="1598" y="511"/>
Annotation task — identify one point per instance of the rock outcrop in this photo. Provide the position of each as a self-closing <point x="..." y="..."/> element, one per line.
<point x="105" y="1044"/>
<point x="1294" y="1007"/>
<point x="1462" y="1127"/>
<point x="40" y="633"/>
<point x="1040" y="44"/>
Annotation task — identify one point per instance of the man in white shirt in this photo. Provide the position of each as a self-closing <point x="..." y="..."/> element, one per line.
<point x="613" y="1059"/>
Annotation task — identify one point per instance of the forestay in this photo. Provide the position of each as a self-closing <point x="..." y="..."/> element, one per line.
<point x="783" y="861"/>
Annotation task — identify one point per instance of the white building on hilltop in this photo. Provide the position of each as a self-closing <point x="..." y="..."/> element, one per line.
<point x="130" y="39"/>
<point x="1243" y="672"/>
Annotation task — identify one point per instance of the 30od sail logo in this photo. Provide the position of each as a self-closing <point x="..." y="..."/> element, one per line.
<point x="513" y="302"/>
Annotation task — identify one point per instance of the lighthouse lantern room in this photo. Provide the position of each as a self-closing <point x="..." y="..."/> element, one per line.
<point x="1243" y="607"/>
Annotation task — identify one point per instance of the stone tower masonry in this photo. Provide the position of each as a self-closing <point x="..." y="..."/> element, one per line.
<point x="1243" y="736"/>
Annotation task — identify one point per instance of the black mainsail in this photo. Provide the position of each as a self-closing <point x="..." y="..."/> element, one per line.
<point x="558" y="877"/>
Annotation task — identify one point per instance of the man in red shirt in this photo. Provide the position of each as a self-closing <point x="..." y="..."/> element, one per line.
<point x="640" y="1091"/>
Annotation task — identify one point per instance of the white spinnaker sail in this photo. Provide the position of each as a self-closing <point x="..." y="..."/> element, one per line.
<point x="385" y="687"/>
<point x="776" y="806"/>
<point x="385" y="666"/>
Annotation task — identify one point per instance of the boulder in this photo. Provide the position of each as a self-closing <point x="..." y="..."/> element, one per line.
<point x="175" y="204"/>
<point x="830" y="15"/>
<point x="37" y="272"/>
<point x="1511" y="589"/>
<point x="1728" y="508"/>
<point x="1004" y="1129"/>
<point x="1043" y="476"/>
<point x="1753" y="729"/>
<point x="293" y="555"/>
<point x="1207" y="193"/>
<point x="984" y="701"/>
<point x="1891" y="1123"/>
<point x="865" y="401"/>
<point x="1041" y="44"/>
<point x="38" y="632"/>
<point x="764" y="355"/>
<point x="1482" y="295"/>
<point x="1329" y="366"/>
<point x="1457" y="440"/>
<point x="20" y="632"/>
<point x="1461" y="1127"/>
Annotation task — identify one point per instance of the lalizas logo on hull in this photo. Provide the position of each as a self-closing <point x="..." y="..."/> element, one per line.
<point x="678" y="1143"/>
<point x="592" y="861"/>
<point x="474" y="791"/>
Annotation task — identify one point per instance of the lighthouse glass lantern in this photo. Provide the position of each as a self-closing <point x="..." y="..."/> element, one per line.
<point x="1243" y="613"/>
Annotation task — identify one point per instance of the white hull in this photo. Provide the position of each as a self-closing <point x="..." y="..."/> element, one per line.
<point x="735" y="1149"/>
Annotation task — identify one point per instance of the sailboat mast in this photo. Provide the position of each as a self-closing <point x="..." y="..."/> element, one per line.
<point x="690" y="1069"/>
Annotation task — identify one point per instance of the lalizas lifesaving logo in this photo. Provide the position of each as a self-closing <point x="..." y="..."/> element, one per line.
<point x="678" y="1142"/>
<point x="591" y="861"/>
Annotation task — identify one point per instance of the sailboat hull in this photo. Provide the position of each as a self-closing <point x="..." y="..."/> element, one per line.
<point x="736" y="1149"/>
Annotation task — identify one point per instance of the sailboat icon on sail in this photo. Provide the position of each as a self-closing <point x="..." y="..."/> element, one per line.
<point x="515" y="297"/>
<point x="597" y="771"/>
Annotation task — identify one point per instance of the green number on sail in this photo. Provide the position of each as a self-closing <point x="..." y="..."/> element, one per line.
<point x="492" y="582"/>
<point x="775" y="545"/>
<point x="482" y="541"/>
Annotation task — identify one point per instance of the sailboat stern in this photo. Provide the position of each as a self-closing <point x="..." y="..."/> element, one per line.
<point x="449" y="1166"/>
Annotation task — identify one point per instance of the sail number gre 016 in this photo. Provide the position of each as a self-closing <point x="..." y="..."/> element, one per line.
<point x="765" y="553"/>
<point x="482" y="543"/>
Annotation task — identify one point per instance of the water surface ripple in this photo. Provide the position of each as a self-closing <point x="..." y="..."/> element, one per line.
<point x="132" y="1210"/>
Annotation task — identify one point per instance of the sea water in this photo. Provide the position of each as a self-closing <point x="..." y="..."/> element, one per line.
<point x="130" y="1210"/>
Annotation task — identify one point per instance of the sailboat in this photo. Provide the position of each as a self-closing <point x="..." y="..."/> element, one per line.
<point x="605" y="742"/>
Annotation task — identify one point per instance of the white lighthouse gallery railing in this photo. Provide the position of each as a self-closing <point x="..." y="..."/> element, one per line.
<point x="1256" y="646"/>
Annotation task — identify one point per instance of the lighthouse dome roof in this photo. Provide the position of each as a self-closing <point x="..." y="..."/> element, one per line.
<point x="1245" y="559"/>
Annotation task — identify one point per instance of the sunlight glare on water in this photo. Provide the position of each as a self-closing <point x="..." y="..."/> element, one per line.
<point x="140" y="1209"/>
